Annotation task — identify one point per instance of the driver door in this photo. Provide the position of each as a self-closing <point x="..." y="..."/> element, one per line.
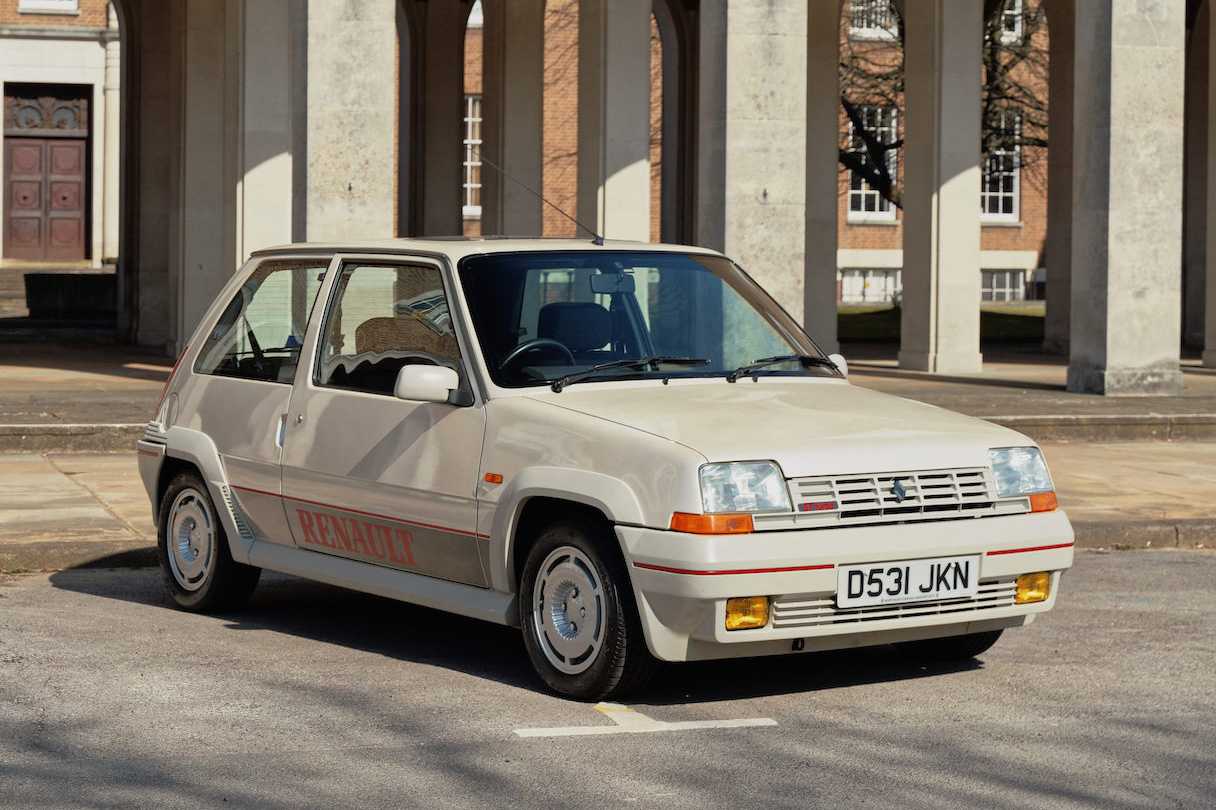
<point x="366" y="475"/>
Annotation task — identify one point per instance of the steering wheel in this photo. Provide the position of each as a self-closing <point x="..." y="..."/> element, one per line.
<point x="533" y="345"/>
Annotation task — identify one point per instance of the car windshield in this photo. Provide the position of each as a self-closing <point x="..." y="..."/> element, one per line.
<point x="552" y="318"/>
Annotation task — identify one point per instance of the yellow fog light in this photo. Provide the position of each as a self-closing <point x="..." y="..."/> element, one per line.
<point x="746" y="612"/>
<point x="1033" y="587"/>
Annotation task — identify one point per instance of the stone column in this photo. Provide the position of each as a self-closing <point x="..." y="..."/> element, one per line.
<point x="1209" y="310"/>
<point x="439" y="150"/>
<point x="822" y="170"/>
<point x="1127" y="193"/>
<point x="111" y="140"/>
<point x="1058" y="247"/>
<point x="351" y="120"/>
<point x="1195" y="182"/>
<point x="941" y="278"/>
<point x="752" y="130"/>
<point x="265" y="170"/>
<point x="149" y="250"/>
<point x="513" y="114"/>
<point x="205" y="256"/>
<point x="614" y="118"/>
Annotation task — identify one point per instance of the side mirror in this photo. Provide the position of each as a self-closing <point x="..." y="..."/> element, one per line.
<point x="841" y="364"/>
<point x="426" y="383"/>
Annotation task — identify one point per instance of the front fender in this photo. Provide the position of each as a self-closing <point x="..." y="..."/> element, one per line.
<point x="609" y="495"/>
<point x="200" y="451"/>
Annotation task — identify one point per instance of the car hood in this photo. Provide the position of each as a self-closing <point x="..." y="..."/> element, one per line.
<point x="811" y="427"/>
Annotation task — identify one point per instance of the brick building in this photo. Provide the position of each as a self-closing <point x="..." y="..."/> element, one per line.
<point x="870" y="235"/>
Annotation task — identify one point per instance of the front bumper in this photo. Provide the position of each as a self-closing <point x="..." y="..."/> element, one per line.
<point x="681" y="583"/>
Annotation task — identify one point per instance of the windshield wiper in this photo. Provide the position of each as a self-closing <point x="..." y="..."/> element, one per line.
<point x="628" y="362"/>
<point x="804" y="359"/>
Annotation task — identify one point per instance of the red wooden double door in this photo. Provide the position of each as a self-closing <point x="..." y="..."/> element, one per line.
<point x="44" y="202"/>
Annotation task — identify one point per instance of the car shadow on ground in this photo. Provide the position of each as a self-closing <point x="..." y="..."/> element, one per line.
<point x="332" y="615"/>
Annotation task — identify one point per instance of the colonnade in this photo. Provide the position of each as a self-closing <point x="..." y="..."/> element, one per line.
<point x="259" y="122"/>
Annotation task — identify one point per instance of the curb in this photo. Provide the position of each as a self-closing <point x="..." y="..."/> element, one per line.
<point x="1145" y="427"/>
<point x="1149" y="427"/>
<point x="1091" y="535"/>
<point x="90" y="438"/>
<point x="1143" y="534"/>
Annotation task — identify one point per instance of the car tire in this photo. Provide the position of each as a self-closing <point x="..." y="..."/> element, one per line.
<point x="951" y="648"/>
<point x="192" y="546"/>
<point x="577" y="611"/>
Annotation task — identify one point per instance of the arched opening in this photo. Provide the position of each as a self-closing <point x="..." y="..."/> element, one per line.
<point x="1013" y="198"/>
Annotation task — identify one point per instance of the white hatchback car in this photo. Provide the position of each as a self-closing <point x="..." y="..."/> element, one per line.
<point x="628" y="451"/>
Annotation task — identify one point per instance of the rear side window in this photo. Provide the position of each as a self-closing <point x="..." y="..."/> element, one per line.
<point x="262" y="329"/>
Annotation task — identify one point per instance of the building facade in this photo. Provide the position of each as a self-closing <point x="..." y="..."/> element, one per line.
<point x="60" y="71"/>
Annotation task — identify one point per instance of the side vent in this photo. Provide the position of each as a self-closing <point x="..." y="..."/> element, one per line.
<point x="238" y="517"/>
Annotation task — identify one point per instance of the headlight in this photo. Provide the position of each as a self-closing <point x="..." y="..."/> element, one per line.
<point x="1019" y="470"/>
<point x="744" y="486"/>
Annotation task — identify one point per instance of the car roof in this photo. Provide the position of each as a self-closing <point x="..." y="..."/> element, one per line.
<point x="457" y="247"/>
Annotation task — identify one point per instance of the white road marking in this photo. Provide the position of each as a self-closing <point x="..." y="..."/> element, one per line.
<point x="630" y="722"/>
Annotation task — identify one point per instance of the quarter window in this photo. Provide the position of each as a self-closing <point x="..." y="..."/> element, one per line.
<point x="259" y="335"/>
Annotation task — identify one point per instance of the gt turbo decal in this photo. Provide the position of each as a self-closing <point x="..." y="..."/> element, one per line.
<point x="356" y="536"/>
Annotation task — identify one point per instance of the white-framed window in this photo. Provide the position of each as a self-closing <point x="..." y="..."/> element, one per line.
<point x="866" y="286"/>
<point x="1003" y="285"/>
<point x="1011" y="23"/>
<point x="1000" y="190"/>
<point x="471" y="208"/>
<point x="872" y="19"/>
<point x="865" y="202"/>
<point x="49" y="6"/>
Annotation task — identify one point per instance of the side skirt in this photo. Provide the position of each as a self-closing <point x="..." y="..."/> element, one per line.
<point x="452" y="597"/>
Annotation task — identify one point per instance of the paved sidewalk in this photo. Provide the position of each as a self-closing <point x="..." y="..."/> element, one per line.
<point x="70" y="493"/>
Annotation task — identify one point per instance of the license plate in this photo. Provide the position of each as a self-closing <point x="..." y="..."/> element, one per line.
<point x="893" y="583"/>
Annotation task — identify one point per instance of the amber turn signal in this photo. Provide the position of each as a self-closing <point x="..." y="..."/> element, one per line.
<point x="1043" y="502"/>
<point x="1033" y="588"/>
<point x="746" y="612"/>
<point x="711" y="524"/>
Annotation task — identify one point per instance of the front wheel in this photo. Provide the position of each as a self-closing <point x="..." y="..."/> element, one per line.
<point x="578" y="615"/>
<point x="195" y="563"/>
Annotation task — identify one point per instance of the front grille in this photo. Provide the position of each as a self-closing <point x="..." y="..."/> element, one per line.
<point x="852" y="500"/>
<point x="800" y="612"/>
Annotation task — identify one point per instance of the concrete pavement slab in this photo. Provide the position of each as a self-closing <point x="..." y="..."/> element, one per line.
<point x="71" y="509"/>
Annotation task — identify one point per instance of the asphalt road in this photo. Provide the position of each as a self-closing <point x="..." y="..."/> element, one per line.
<point x="318" y="697"/>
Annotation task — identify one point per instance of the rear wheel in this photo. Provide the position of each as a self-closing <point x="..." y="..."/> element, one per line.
<point x="578" y="615"/>
<point x="951" y="648"/>
<point x="195" y="562"/>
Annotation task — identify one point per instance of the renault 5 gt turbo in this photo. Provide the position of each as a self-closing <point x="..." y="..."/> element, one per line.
<point x="628" y="451"/>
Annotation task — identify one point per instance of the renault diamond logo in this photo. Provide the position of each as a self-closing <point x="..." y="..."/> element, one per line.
<point x="901" y="492"/>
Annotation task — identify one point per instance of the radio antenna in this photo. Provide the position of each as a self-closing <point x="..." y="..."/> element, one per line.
<point x="596" y="238"/>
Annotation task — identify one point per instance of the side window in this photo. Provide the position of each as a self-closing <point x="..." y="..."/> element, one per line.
<point x="258" y="337"/>
<point x="382" y="318"/>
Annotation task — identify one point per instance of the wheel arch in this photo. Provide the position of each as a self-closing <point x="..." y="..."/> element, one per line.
<point x="539" y="496"/>
<point x="192" y="451"/>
